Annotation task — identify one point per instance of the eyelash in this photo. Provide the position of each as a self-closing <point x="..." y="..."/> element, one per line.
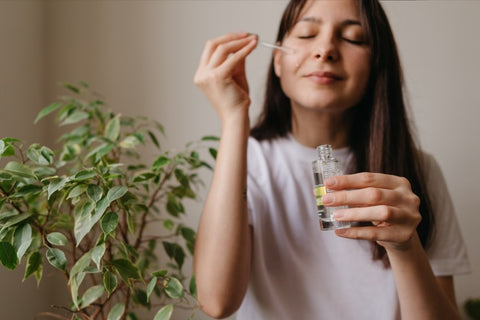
<point x="359" y="42"/>
<point x="353" y="41"/>
<point x="306" y="37"/>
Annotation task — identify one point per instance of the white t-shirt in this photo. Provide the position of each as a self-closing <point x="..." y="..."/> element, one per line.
<point x="300" y="272"/>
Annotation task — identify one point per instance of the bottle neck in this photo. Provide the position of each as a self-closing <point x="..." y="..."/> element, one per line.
<point x="324" y="152"/>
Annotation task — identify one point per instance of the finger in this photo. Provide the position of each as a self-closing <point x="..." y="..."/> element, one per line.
<point x="366" y="179"/>
<point x="236" y="48"/>
<point x="363" y="197"/>
<point x="212" y="44"/>
<point x="376" y="214"/>
<point x="380" y="234"/>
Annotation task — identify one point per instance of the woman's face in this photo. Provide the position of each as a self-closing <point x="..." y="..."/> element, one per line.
<point x="330" y="67"/>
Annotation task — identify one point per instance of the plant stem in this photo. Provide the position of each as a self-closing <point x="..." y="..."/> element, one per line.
<point x="153" y="199"/>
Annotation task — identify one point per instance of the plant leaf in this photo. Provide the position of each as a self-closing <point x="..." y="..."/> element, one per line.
<point x="160" y="162"/>
<point x="129" y="142"/>
<point x="74" y="290"/>
<point x="116" y="312"/>
<point x="213" y="152"/>
<point x="97" y="254"/>
<point x="126" y="269"/>
<point x="75" y="117"/>
<point x="94" y="192"/>
<point x="91" y="295"/>
<point x="210" y="138"/>
<point x="57" y="258"/>
<point x="83" y="220"/>
<point x="154" y="139"/>
<point x="188" y="234"/>
<point x="34" y="265"/>
<point x="173" y="288"/>
<point x="100" y="151"/>
<point x="22" y="238"/>
<point x="20" y="170"/>
<point x="140" y="298"/>
<point x="175" y="252"/>
<point x="14" y="220"/>
<point x="56" y="185"/>
<point x="57" y="238"/>
<point x="109" y="222"/>
<point x="27" y="190"/>
<point x="150" y="287"/>
<point x="109" y="282"/>
<point x="193" y="287"/>
<point x="160" y="273"/>
<point x="47" y="110"/>
<point x="77" y="191"/>
<point x="85" y="174"/>
<point x="112" y="130"/>
<point x="168" y="224"/>
<point x="71" y="87"/>
<point x="8" y="256"/>
<point x="116" y="193"/>
<point x="81" y="264"/>
<point x="6" y="149"/>
<point x="164" y="313"/>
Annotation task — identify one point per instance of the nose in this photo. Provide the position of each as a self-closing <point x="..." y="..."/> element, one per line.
<point x="326" y="50"/>
<point x="325" y="55"/>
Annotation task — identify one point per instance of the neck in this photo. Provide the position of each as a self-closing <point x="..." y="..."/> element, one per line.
<point x="312" y="128"/>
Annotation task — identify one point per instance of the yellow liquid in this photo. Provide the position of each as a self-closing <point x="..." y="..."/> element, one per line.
<point x="319" y="192"/>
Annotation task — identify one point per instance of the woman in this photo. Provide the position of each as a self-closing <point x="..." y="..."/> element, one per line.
<point x="257" y="246"/>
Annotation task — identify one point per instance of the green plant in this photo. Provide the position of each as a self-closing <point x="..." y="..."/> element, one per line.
<point x="472" y="307"/>
<point x="100" y="215"/>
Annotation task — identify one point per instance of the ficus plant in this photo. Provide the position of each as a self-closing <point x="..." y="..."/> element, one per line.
<point x="101" y="214"/>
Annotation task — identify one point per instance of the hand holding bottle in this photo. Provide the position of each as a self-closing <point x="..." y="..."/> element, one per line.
<point x="385" y="200"/>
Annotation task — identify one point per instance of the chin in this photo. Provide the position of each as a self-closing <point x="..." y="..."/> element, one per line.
<point x="330" y="106"/>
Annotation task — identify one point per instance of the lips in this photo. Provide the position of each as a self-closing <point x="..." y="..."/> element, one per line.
<point x="323" y="77"/>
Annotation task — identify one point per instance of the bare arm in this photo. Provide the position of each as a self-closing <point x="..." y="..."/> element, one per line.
<point x="223" y="244"/>
<point x="389" y="203"/>
<point x="421" y="294"/>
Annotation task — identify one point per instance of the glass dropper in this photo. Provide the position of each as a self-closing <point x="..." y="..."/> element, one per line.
<point x="274" y="46"/>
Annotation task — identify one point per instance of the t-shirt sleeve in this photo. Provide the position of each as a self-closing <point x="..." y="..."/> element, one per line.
<point x="447" y="252"/>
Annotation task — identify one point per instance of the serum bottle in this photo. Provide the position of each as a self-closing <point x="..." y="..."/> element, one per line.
<point x="324" y="167"/>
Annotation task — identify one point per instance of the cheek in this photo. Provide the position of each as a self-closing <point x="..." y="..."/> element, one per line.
<point x="287" y="65"/>
<point x="361" y="69"/>
<point x="365" y="74"/>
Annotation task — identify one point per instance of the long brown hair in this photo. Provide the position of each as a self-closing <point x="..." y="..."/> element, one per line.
<point x="380" y="136"/>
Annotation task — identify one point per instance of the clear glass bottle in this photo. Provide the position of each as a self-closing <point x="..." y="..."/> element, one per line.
<point x="324" y="167"/>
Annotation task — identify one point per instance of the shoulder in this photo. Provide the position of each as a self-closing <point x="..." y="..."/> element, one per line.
<point x="428" y="162"/>
<point x="432" y="171"/>
<point x="447" y="251"/>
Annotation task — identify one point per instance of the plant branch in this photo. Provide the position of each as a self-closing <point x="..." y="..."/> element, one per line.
<point x="153" y="199"/>
<point x="50" y="314"/>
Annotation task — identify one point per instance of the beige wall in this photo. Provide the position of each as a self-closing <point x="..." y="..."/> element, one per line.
<point x="141" y="55"/>
<point x="22" y="54"/>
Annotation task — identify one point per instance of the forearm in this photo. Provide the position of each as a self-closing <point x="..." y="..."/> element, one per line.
<point x="222" y="252"/>
<point x="419" y="294"/>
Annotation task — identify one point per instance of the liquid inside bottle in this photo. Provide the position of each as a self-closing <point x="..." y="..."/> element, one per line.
<point x="324" y="167"/>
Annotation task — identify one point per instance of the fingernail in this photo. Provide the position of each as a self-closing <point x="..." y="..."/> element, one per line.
<point x="328" y="198"/>
<point x="338" y="214"/>
<point x="331" y="182"/>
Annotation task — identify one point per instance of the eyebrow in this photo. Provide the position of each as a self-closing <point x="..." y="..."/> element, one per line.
<point x="347" y="22"/>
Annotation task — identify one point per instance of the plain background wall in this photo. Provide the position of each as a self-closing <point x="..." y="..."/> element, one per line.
<point x="142" y="55"/>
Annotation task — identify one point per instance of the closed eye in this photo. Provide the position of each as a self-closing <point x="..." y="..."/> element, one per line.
<point x="306" y="37"/>
<point x="356" y="42"/>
